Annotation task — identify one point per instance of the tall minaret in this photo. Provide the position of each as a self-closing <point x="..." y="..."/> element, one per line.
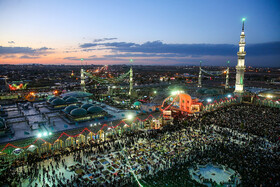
<point x="83" y="85"/>
<point x="240" y="63"/>
<point x="227" y="76"/>
<point x="199" y="76"/>
<point x="130" y="81"/>
<point x="130" y="78"/>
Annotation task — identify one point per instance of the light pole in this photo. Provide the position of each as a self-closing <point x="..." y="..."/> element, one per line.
<point x="199" y="76"/>
<point x="227" y="75"/>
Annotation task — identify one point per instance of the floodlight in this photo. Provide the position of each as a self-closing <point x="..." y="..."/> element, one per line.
<point x="39" y="135"/>
<point x="229" y="96"/>
<point x="45" y="134"/>
<point x="129" y="116"/>
<point x="50" y="133"/>
<point x="269" y="96"/>
<point x="209" y="100"/>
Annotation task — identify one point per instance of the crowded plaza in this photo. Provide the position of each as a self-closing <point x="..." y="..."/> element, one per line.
<point x="163" y="157"/>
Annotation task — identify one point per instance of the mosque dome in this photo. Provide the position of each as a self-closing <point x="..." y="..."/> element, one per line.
<point x="52" y="98"/>
<point x="78" y="112"/>
<point x="2" y="125"/>
<point x="57" y="101"/>
<point x="65" y="97"/>
<point x="94" y="109"/>
<point x="86" y="106"/>
<point x="77" y="94"/>
<point x="2" y="120"/>
<point x="70" y="108"/>
<point x="71" y="100"/>
<point x="137" y="103"/>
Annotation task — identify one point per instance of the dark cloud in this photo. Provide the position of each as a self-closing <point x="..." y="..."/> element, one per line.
<point x="87" y="45"/>
<point x="25" y="51"/>
<point x="44" y="49"/>
<point x="129" y="55"/>
<point x="157" y="47"/>
<point x="263" y="49"/>
<point x="104" y="39"/>
<point x="11" y="42"/>
<point x="29" y="57"/>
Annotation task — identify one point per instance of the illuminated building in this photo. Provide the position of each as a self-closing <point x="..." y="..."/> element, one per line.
<point x="240" y="68"/>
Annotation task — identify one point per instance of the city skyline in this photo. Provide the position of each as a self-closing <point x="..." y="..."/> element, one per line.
<point x="151" y="33"/>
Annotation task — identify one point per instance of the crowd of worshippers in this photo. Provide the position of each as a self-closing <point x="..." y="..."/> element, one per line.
<point x="235" y="137"/>
<point x="258" y="120"/>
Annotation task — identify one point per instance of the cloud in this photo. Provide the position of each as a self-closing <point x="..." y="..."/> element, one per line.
<point x="158" y="47"/>
<point x="45" y="48"/>
<point x="263" y="49"/>
<point x="79" y="59"/>
<point x="87" y="45"/>
<point x="9" y="56"/>
<point x="11" y="42"/>
<point x="25" y="50"/>
<point x="70" y="51"/>
<point x="29" y="57"/>
<point x="130" y="55"/>
<point x="103" y="39"/>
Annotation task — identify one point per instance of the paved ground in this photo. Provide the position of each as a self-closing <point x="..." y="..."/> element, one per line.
<point x="16" y="119"/>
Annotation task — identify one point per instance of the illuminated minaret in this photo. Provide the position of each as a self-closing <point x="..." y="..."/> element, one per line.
<point x="227" y="76"/>
<point x="83" y="85"/>
<point x="130" y="79"/>
<point x="199" y="76"/>
<point x="240" y="63"/>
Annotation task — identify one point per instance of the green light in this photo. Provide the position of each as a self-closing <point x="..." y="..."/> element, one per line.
<point x="228" y="61"/>
<point x="131" y="60"/>
<point x="82" y="59"/>
<point x="243" y="19"/>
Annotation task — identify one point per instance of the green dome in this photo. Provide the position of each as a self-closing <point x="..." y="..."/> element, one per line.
<point x="58" y="101"/>
<point x="78" y="112"/>
<point x="2" y="125"/>
<point x="52" y="98"/>
<point x="66" y="97"/>
<point x="94" y="109"/>
<point x="71" y="100"/>
<point x="2" y="120"/>
<point x="86" y="106"/>
<point x="70" y="108"/>
<point x="77" y="94"/>
<point x="137" y="103"/>
<point x="211" y="91"/>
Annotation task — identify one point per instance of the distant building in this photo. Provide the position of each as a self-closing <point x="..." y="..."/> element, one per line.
<point x="3" y="84"/>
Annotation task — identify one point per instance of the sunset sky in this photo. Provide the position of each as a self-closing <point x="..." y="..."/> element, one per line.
<point x="163" y="32"/>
